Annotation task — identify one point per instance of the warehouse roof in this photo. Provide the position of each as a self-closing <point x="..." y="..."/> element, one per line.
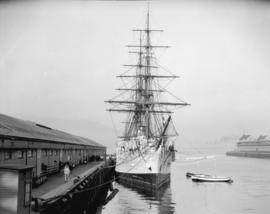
<point x="13" y="127"/>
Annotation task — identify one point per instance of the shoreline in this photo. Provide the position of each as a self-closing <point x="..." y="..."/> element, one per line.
<point x="265" y="155"/>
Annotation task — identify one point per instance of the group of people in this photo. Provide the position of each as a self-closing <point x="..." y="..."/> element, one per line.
<point x="133" y="145"/>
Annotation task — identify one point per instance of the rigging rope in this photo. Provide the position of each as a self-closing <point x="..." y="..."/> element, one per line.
<point x="114" y="127"/>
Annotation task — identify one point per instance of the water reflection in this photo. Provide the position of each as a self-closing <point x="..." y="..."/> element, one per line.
<point x="249" y="193"/>
<point x="132" y="200"/>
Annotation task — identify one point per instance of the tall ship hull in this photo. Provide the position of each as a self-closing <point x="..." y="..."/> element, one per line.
<point x="145" y="148"/>
<point x="149" y="170"/>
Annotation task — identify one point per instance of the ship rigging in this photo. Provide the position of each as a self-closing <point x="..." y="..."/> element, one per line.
<point x="146" y="149"/>
<point x="146" y="113"/>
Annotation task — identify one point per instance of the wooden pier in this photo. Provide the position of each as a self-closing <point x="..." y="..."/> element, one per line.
<point x="88" y="183"/>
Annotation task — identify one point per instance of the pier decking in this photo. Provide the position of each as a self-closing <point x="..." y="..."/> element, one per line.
<point x="56" y="185"/>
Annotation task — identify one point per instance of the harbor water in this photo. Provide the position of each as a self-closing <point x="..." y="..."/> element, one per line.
<point x="249" y="193"/>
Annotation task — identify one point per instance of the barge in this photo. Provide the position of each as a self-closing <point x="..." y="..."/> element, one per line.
<point x="248" y="146"/>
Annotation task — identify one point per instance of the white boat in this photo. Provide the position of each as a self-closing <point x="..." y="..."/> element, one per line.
<point x="208" y="178"/>
<point x="190" y="174"/>
<point x="145" y="151"/>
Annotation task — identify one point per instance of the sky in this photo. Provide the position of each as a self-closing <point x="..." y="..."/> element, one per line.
<point x="59" y="59"/>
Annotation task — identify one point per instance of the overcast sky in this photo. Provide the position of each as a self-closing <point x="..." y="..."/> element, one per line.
<point x="60" y="58"/>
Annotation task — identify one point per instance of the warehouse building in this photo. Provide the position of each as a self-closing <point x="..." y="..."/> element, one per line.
<point x="44" y="148"/>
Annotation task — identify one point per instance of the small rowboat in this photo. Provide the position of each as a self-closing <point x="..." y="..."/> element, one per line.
<point x="190" y="174"/>
<point x="198" y="178"/>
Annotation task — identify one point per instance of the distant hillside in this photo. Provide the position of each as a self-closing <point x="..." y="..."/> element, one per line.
<point x="84" y="128"/>
<point x="217" y="146"/>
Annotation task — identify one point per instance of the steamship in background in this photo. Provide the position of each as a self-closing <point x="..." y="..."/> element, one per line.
<point x="146" y="149"/>
<point x="248" y="146"/>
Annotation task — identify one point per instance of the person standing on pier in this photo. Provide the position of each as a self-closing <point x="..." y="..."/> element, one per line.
<point x="66" y="172"/>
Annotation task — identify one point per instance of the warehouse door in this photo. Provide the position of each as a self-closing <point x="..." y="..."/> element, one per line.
<point x="38" y="162"/>
<point x="61" y="155"/>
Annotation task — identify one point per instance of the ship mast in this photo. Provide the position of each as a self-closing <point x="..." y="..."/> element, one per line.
<point x="144" y="110"/>
<point x="148" y="72"/>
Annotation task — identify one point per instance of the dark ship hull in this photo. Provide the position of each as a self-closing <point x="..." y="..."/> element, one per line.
<point x="150" y="182"/>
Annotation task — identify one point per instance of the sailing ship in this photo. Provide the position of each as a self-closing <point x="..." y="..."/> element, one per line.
<point x="145" y="151"/>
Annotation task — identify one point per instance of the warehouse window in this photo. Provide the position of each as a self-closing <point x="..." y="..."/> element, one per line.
<point x="55" y="152"/>
<point x="30" y="153"/>
<point x="7" y="155"/>
<point x="19" y="154"/>
<point x="49" y="152"/>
